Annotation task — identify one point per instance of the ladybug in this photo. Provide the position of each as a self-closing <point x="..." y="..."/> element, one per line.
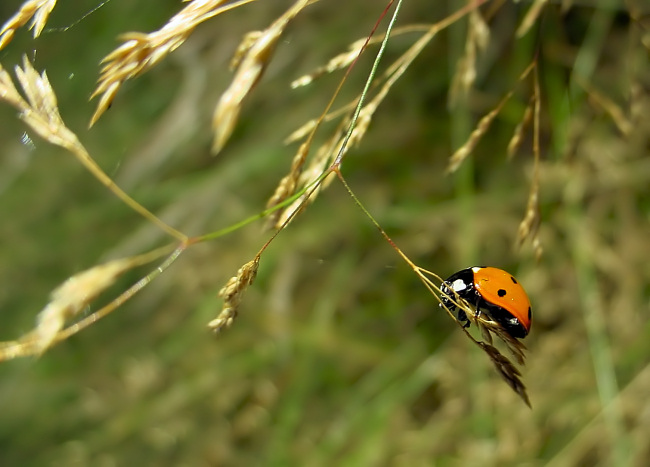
<point x="494" y="292"/>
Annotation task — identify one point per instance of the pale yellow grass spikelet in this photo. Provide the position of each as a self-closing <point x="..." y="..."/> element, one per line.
<point x="287" y="185"/>
<point x="466" y="149"/>
<point x="40" y="110"/>
<point x="76" y="294"/>
<point x="232" y="294"/>
<point x="481" y="128"/>
<point x="531" y="17"/>
<point x="518" y="135"/>
<point x="309" y="126"/>
<point x="73" y="296"/>
<point x="616" y="113"/>
<point x="320" y="163"/>
<point x="9" y="93"/>
<point x="259" y="48"/>
<point x="365" y="117"/>
<point x="478" y="36"/>
<point x="302" y="132"/>
<point x="36" y="10"/>
<point x="336" y="63"/>
<point x="141" y="51"/>
<point x="529" y="226"/>
<point x="244" y="46"/>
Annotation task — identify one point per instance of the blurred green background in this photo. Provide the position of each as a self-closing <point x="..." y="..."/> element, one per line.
<point x="340" y="356"/>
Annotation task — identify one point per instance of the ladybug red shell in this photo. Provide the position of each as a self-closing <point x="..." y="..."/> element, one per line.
<point x="494" y="292"/>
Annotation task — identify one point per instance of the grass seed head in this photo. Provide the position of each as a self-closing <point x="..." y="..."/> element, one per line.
<point x="40" y="109"/>
<point x="75" y="294"/>
<point x="36" y="10"/>
<point x="259" y="48"/>
<point x="232" y="294"/>
<point x="141" y="51"/>
<point x="518" y="135"/>
<point x="336" y="63"/>
<point x="287" y="185"/>
<point x="507" y="370"/>
<point x="321" y="161"/>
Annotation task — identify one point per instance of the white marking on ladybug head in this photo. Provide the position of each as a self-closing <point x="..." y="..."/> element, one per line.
<point x="458" y="285"/>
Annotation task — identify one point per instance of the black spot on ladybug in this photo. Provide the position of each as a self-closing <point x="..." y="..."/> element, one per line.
<point x="530" y="314"/>
<point x="514" y="281"/>
<point x="501" y="292"/>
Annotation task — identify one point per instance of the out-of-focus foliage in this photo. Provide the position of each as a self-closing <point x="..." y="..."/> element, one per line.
<point x="339" y="355"/>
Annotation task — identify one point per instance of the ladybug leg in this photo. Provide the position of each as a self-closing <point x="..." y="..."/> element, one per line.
<point x="462" y="317"/>
<point x="477" y="307"/>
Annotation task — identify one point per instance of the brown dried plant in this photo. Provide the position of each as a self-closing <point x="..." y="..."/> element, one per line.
<point x="40" y="112"/>
<point x="529" y="226"/>
<point x="35" y="10"/>
<point x="459" y="156"/>
<point x="305" y="179"/>
<point x="356" y="116"/>
<point x="615" y="112"/>
<point x="76" y="295"/>
<point x="478" y="36"/>
<point x="531" y="17"/>
<point x="251" y="59"/>
<point x="353" y="115"/>
<point x="232" y="294"/>
<point x="141" y="51"/>
<point x="518" y="135"/>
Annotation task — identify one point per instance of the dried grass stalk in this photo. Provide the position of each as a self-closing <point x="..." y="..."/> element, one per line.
<point x="320" y="163"/>
<point x="330" y="150"/>
<point x="354" y="49"/>
<point x="334" y="146"/>
<point x="244" y="46"/>
<point x="336" y="63"/>
<point x="252" y="57"/>
<point x="612" y="109"/>
<point x="529" y="226"/>
<point x="531" y="17"/>
<point x="141" y="51"/>
<point x="466" y="149"/>
<point x="309" y="126"/>
<point x="518" y="135"/>
<point x="488" y="327"/>
<point x="481" y="128"/>
<point x="507" y="370"/>
<point x="74" y="295"/>
<point x="232" y="294"/>
<point x="36" y="10"/>
<point x="478" y="36"/>
<point x="302" y="132"/>
<point x="288" y="184"/>
<point x="40" y="111"/>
